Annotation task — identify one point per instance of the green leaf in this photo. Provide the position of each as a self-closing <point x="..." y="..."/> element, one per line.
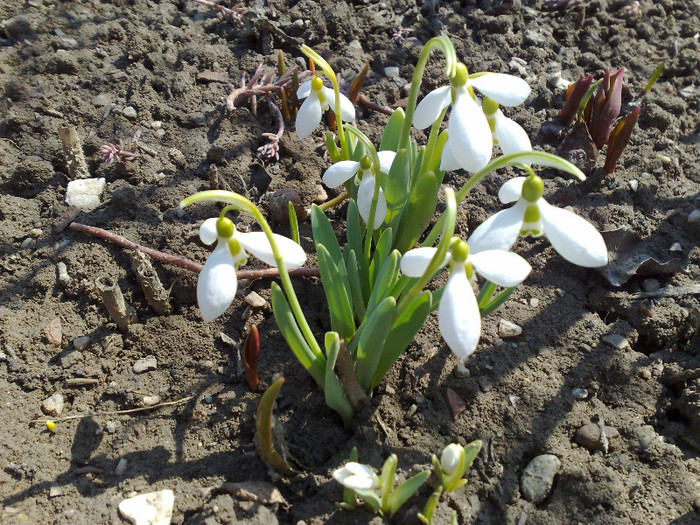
<point x="386" y="277"/>
<point x="334" y="284"/>
<point x="263" y="427"/>
<point x="421" y="207"/>
<point x="323" y="234"/>
<point x="334" y="391"/>
<point x="392" y="131"/>
<point x="293" y="222"/>
<point x="433" y="163"/>
<point x="396" y="188"/>
<point x="380" y="253"/>
<point x="371" y="341"/>
<point x="332" y="147"/>
<point x="498" y="301"/>
<point x="387" y="481"/>
<point x="406" y="490"/>
<point x="284" y="317"/>
<point x="401" y="334"/>
<point x="370" y="497"/>
<point x="358" y="300"/>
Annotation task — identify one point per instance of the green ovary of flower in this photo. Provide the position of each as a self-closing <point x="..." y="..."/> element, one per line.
<point x="365" y="163"/>
<point x="460" y="76"/>
<point x="533" y="189"/>
<point x="459" y="250"/>
<point x="225" y="227"/>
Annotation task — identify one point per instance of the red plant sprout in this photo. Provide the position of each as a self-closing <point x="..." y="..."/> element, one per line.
<point x="115" y="153"/>
<point x="574" y="95"/>
<point x="251" y="349"/>
<point x="619" y="138"/>
<point x="605" y="106"/>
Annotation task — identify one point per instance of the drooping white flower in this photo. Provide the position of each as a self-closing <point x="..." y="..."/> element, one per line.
<point x="573" y="237"/>
<point x="356" y="476"/>
<point x="470" y="141"/>
<point x="318" y="99"/>
<point x="217" y="283"/>
<point x="459" y="318"/>
<point x="342" y="171"/>
<point x="450" y="458"/>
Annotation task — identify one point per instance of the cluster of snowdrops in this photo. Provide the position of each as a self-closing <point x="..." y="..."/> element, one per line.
<point x="377" y="280"/>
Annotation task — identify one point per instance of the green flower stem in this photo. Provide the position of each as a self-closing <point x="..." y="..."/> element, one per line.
<point x="328" y="70"/>
<point x="439" y="42"/>
<point x="241" y="203"/>
<point x="432" y="140"/>
<point x="336" y="200"/>
<point x="442" y="248"/>
<point x="513" y="159"/>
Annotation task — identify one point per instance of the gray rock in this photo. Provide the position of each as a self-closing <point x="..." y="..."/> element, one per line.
<point x="255" y="300"/>
<point x="121" y="467"/>
<point x="145" y="364"/>
<point x="63" y="277"/>
<point x="53" y="406"/>
<point x="391" y="71"/>
<point x="616" y="341"/>
<point x="579" y="393"/>
<point x="102" y="100"/>
<point x="650" y="285"/>
<point x="80" y="343"/>
<point x="694" y="216"/>
<point x="508" y="329"/>
<point x="85" y="193"/>
<point x="129" y="112"/>
<point x="588" y="436"/>
<point x="155" y="508"/>
<point x="537" y="478"/>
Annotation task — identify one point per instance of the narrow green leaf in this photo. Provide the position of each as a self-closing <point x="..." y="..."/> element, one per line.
<point x="406" y="490"/>
<point x="332" y="147"/>
<point x="371" y="341"/>
<point x="386" y="277"/>
<point x="381" y="251"/>
<point x="436" y="296"/>
<point x="498" y="301"/>
<point x="396" y="188"/>
<point x="421" y="207"/>
<point x="334" y="391"/>
<point x="263" y="427"/>
<point x="392" y="131"/>
<point x="358" y="300"/>
<point x="402" y="333"/>
<point x="334" y="284"/>
<point x="471" y="451"/>
<point x="370" y="497"/>
<point x="293" y="222"/>
<point x="387" y="481"/>
<point x="323" y="233"/>
<point x="284" y="317"/>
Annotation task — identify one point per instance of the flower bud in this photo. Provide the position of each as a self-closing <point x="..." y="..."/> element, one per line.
<point x="451" y="456"/>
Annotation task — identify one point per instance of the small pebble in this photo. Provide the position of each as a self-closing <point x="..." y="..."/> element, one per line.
<point x="616" y="341"/>
<point x="694" y="216"/>
<point x="634" y="184"/>
<point x="579" y="393"/>
<point x="588" y="436"/>
<point x="111" y="427"/>
<point x="645" y="373"/>
<point x="156" y="124"/>
<point x="411" y="410"/>
<point x="355" y="44"/>
<point x="675" y="247"/>
<point x="508" y="329"/>
<point x="177" y="157"/>
<point x="63" y="277"/>
<point x="390" y="390"/>
<point x="85" y="193"/>
<point x="26" y="243"/>
<point x="207" y="400"/>
<point x="391" y="71"/>
<point x="155" y="508"/>
<point x="36" y="232"/>
<point x="53" y="406"/>
<point x="145" y="364"/>
<point x="320" y="194"/>
<point x="534" y="302"/>
<point x="650" y="285"/>
<point x="255" y="300"/>
<point x="556" y="81"/>
<point x="129" y="112"/>
<point x="121" y="467"/>
<point x="538" y="477"/>
<point x="102" y="100"/>
<point x="80" y="343"/>
<point x="55" y="491"/>
<point x="149" y="401"/>
<point x="560" y="292"/>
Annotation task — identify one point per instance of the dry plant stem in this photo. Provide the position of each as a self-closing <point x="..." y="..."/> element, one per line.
<point x="73" y="150"/>
<point x="156" y="295"/>
<point x="183" y="262"/>
<point x="367" y="103"/>
<point x="115" y="412"/>
<point x="346" y="372"/>
<point x="113" y="299"/>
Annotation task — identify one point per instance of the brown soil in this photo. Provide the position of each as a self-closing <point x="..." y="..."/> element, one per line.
<point x="82" y="62"/>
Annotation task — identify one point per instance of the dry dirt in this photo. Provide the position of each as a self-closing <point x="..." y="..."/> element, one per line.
<point x="82" y="63"/>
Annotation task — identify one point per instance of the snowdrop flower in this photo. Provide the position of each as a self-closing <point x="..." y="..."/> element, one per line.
<point x="470" y="141"/>
<point x="356" y="476"/>
<point x="344" y="170"/>
<point x="217" y="283"/>
<point x="450" y="458"/>
<point x="572" y="236"/>
<point x="459" y="318"/>
<point x="318" y="99"/>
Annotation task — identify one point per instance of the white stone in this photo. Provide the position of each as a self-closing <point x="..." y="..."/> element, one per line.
<point x="255" y="300"/>
<point x="80" y="343"/>
<point x="145" y="364"/>
<point x="53" y="406"/>
<point x="508" y="329"/>
<point x="616" y="341"/>
<point x="121" y="467"/>
<point x="391" y="71"/>
<point x="634" y="184"/>
<point x="155" y="508"/>
<point x="694" y="216"/>
<point x="129" y="112"/>
<point x="85" y="193"/>
<point x="556" y="81"/>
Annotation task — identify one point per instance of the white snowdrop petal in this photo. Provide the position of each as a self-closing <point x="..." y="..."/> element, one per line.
<point x="415" y="262"/>
<point x="364" y="201"/>
<point x="428" y="110"/>
<point x="304" y="89"/>
<point x="458" y="316"/>
<point x="572" y="236"/>
<point x="503" y="268"/>
<point x="217" y="283"/>
<point x="470" y="134"/>
<point x="356" y="476"/>
<point x="449" y="460"/>
<point x="499" y="231"/>
<point x="207" y="231"/>
<point x="448" y="162"/>
<point x="340" y="172"/>
<point x="512" y="190"/>
<point x="346" y="108"/>
<point x="309" y="117"/>
<point x="257" y="244"/>
<point x="505" y="89"/>
<point x="386" y="159"/>
<point x="510" y="135"/>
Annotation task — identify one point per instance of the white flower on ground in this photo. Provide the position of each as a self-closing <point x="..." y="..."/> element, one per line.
<point x="318" y="99"/>
<point x="572" y="236"/>
<point x="451" y="456"/>
<point x="459" y="318"/>
<point x="356" y="476"/>
<point x="217" y="283"/>
<point x="342" y="171"/>
<point x="470" y="141"/>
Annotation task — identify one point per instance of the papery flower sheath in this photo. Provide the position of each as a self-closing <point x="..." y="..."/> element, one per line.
<point x="217" y="283"/>
<point x="318" y="99"/>
<point x="470" y="141"/>
<point x="344" y="170"/>
<point x="573" y="237"/>
<point x="459" y="318"/>
<point x="356" y="476"/>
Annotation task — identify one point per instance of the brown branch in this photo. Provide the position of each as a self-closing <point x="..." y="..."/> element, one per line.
<point x="183" y="262"/>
